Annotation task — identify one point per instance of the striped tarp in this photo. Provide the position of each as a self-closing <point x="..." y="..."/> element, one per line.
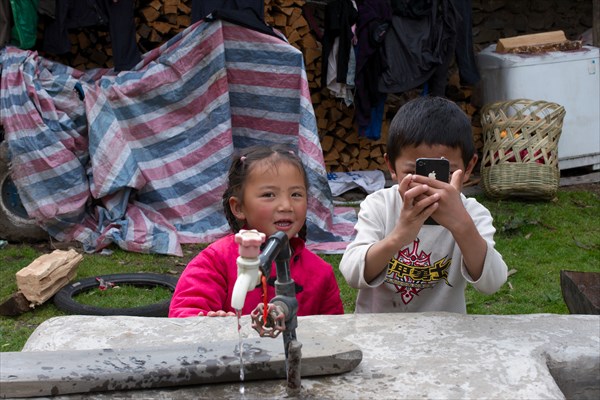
<point x="139" y="158"/>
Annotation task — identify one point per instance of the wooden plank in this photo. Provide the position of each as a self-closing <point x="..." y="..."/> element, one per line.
<point x="505" y="44"/>
<point x="569" y="45"/>
<point x="581" y="291"/>
<point x="592" y="177"/>
<point x="45" y="373"/>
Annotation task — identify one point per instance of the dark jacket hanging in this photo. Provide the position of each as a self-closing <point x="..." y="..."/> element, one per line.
<point x="374" y="17"/>
<point x="465" y="56"/>
<point x="419" y="45"/>
<point x="5" y="22"/>
<point x="340" y="15"/>
<point x="85" y="13"/>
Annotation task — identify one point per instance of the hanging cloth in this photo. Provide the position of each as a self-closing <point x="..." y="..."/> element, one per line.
<point x="5" y="22"/>
<point x="374" y="18"/>
<point x="340" y="16"/>
<point x="25" y="18"/>
<point x="419" y="46"/>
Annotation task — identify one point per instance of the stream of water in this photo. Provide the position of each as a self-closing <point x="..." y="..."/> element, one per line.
<point x="241" y="350"/>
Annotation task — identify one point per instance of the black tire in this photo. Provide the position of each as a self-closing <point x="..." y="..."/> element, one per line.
<point x="15" y="224"/>
<point x="64" y="298"/>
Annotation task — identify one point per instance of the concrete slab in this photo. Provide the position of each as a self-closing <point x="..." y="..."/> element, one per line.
<point x="405" y="356"/>
<point x="49" y="373"/>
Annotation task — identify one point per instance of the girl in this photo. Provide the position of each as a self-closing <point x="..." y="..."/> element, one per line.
<point x="267" y="191"/>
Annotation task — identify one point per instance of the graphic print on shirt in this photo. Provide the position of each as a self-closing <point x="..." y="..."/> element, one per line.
<point x="413" y="271"/>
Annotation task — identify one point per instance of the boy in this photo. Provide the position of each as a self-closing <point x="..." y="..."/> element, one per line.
<point x="401" y="264"/>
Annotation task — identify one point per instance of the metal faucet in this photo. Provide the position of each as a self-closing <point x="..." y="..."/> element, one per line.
<point x="281" y="315"/>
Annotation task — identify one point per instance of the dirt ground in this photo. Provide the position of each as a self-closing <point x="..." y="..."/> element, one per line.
<point x="593" y="187"/>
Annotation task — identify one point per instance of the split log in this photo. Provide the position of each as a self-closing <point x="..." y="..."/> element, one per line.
<point x="47" y="274"/>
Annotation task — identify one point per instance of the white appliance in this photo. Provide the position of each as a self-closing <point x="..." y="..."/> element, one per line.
<point x="569" y="78"/>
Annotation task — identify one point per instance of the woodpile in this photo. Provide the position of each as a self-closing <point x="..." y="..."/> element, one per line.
<point x="159" y="20"/>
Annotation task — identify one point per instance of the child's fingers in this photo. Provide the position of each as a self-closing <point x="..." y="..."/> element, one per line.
<point x="404" y="185"/>
<point x="219" y="313"/>
<point x="418" y="206"/>
<point x="429" y="211"/>
<point x="423" y="180"/>
<point x="424" y="203"/>
<point x="414" y="194"/>
<point x="417" y="209"/>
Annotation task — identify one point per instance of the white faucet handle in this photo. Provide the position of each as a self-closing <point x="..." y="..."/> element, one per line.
<point x="249" y="241"/>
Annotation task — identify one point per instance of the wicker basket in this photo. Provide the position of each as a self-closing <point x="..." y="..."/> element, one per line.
<point x="520" y="151"/>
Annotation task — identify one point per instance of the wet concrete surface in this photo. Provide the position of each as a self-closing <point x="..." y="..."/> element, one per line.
<point x="404" y="356"/>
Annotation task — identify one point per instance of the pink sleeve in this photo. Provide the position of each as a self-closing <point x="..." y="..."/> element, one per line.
<point x="201" y="287"/>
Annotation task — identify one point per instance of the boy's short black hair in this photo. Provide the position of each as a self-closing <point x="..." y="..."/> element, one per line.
<point x="432" y="121"/>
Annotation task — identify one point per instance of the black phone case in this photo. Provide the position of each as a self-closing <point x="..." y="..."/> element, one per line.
<point x="439" y="167"/>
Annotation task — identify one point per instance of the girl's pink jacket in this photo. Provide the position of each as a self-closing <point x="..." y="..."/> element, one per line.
<point x="207" y="282"/>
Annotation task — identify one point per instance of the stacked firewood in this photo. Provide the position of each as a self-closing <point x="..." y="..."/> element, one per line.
<point x="159" y="20"/>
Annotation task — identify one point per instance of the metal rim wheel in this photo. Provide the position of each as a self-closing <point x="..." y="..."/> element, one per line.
<point x="65" y="301"/>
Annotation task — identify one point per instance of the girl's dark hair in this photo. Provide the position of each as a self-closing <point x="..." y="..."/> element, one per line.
<point x="241" y="165"/>
<point x="432" y="121"/>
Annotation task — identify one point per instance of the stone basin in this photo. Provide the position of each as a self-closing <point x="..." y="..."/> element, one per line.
<point x="404" y="356"/>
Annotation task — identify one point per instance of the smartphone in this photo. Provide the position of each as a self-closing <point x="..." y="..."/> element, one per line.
<point x="436" y="168"/>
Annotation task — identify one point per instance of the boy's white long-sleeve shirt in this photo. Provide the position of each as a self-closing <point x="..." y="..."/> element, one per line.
<point x="429" y="274"/>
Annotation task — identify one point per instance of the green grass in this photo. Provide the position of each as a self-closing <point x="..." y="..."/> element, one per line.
<point x="124" y="295"/>
<point x="14" y="331"/>
<point x="536" y="239"/>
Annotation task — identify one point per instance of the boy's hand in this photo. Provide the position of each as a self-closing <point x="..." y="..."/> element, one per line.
<point x="451" y="210"/>
<point x="452" y="215"/>
<point x="417" y="206"/>
<point x="419" y="203"/>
